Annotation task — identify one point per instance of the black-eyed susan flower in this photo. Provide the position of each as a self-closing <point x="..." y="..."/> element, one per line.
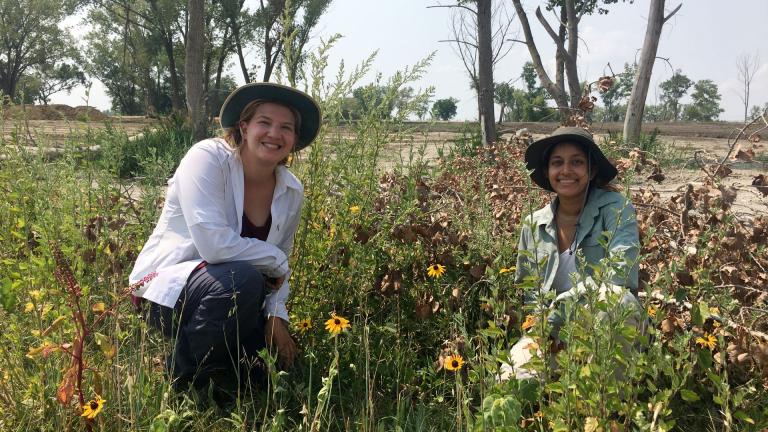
<point x="529" y="322"/>
<point x="707" y="341"/>
<point x="304" y="325"/>
<point x="435" y="270"/>
<point x="651" y="311"/>
<point x="454" y="362"/>
<point x="336" y="324"/>
<point x="93" y="407"/>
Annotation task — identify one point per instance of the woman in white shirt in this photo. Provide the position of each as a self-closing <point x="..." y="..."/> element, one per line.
<point x="215" y="269"/>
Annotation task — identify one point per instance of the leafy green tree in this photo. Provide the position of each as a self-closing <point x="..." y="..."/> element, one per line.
<point x="568" y="15"/>
<point x="128" y="50"/>
<point x="32" y="41"/>
<point x="672" y="90"/>
<point x="705" y="105"/>
<point x="444" y="109"/>
<point x="530" y="103"/>
<point x="298" y="28"/>
<point x="48" y="80"/>
<point x="613" y="97"/>
<point x="378" y="98"/>
<point x="504" y="95"/>
<point x="653" y="113"/>
<point x="756" y="110"/>
<point x="422" y="107"/>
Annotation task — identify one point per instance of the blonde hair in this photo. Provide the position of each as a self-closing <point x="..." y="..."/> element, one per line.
<point x="233" y="135"/>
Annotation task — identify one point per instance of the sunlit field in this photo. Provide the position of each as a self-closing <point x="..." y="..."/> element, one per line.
<point x="413" y="252"/>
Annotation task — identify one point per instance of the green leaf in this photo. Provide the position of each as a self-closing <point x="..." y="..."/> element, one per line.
<point x="705" y="358"/>
<point x="106" y="345"/>
<point x="689" y="396"/>
<point x="741" y="415"/>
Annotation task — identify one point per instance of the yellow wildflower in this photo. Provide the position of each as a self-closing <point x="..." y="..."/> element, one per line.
<point x="708" y="341"/>
<point x="93" y="407"/>
<point x="454" y="362"/>
<point x="529" y="322"/>
<point x="29" y="307"/>
<point x="304" y="325"/>
<point x="354" y="210"/>
<point x="435" y="270"/>
<point x="651" y="311"/>
<point x="505" y="270"/>
<point x="336" y="324"/>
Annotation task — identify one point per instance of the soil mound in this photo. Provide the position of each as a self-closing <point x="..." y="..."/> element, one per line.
<point x="54" y="112"/>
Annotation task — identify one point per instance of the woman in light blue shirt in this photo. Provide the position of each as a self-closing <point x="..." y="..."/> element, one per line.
<point x="586" y="222"/>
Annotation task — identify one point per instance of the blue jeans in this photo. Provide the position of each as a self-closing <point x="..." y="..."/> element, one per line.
<point x="217" y="325"/>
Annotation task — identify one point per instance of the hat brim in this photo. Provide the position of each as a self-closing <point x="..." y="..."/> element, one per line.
<point x="308" y="109"/>
<point x="535" y="153"/>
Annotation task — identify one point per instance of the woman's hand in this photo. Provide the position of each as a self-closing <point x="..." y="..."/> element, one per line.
<point x="277" y="337"/>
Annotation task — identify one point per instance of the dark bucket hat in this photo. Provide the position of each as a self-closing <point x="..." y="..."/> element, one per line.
<point x="307" y="107"/>
<point x="536" y="155"/>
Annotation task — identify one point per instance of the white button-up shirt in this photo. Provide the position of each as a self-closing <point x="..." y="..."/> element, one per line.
<point x="202" y="219"/>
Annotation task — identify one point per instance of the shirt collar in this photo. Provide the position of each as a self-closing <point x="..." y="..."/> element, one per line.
<point x="595" y="200"/>
<point x="285" y="180"/>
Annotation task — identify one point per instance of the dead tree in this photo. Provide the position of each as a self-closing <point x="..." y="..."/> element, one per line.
<point x="747" y="66"/>
<point x="479" y="36"/>
<point x="567" y="45"/>
<point x="633" y="120"/>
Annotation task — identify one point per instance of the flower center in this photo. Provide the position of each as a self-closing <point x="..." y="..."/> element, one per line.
<point x="337" y="321"/>
<point x="94" y="405"/>
<point x="455" y="363"/>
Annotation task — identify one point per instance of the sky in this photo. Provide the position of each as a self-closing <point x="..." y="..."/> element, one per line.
<point x="704" y="40"/>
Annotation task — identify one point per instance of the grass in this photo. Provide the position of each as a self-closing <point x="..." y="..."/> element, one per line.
<point x="362" y="251"/>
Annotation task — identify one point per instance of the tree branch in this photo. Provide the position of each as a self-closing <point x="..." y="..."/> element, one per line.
<point x="453" y="6"/>
<point x="551" y="32"/>
<point x="666" y="18"/>
<point x="459" y="42"/>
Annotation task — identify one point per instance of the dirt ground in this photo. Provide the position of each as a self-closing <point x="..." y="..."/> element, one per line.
<point x="428" y="142"/>
<point x="56" y="132"/>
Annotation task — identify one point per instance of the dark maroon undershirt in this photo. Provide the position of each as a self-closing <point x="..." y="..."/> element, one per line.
<point x="258" y="232"/>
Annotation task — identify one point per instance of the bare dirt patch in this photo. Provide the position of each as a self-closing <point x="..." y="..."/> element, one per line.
<point x="55" y="132"/>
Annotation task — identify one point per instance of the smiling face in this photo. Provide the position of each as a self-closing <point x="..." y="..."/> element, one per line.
<point x="270" y="135"/>
<point x="568" y="170"/>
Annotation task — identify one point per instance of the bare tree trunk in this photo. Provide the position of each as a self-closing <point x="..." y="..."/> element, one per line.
<point x="220" y="65"/>
<point x="559" y="60"/>
<point x="633" y="120"/>
<point x="240" y="56"/>
<point x="166" y="35"/>
<point x="193" y="67"/>
<point x="747" y="66"/>
<point x="554" y="90"/>
<point x="571" y="72"/>
<point x="485" y="72"/>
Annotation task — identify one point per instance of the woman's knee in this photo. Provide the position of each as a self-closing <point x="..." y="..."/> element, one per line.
<point x="242" y="279"/>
